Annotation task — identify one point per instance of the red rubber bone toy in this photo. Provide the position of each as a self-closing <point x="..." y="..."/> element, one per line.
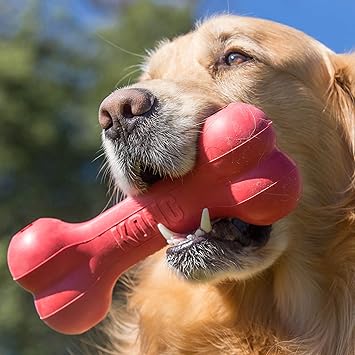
<point x="71" y="269"/>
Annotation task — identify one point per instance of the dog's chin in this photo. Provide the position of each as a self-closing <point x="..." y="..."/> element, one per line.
<point x="233" y="249"/>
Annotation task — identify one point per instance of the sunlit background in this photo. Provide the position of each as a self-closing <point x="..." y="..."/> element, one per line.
<point x="58" y="60"/>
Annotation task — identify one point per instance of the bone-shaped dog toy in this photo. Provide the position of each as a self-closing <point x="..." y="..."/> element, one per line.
<point x="71" y="269"/>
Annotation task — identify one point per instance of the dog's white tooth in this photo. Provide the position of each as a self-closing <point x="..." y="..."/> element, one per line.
<point x="165" y="232"/>
<point x="205" y="224"/>
<point x="190" y="236"/>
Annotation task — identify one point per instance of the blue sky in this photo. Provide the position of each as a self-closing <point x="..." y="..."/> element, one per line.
<point x="331" y="22"/>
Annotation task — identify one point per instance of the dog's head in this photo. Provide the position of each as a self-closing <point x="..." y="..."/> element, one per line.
<point x="150" y="129"/>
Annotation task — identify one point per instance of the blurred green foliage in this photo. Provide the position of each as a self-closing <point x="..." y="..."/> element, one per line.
<point x="50" y="89"/>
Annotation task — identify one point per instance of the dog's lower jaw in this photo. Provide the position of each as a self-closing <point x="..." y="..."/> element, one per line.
<point x="232" y="249"/>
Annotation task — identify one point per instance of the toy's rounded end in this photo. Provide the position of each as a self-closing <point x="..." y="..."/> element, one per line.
<point x="78" y="316"/>
<point x="72" y="312"/>
<point x="33" y="245"/>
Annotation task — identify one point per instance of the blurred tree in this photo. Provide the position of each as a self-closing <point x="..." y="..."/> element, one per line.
<point x="50" y="89"/>
<point x="124" y="46"/>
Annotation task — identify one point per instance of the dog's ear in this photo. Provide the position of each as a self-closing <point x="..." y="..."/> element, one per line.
<point x="344" y="75"/>
<point x="341" y="99"/>
<point x="343" y="104"/>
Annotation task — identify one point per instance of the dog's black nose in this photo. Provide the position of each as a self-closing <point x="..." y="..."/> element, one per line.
<point x="123" y="109"/>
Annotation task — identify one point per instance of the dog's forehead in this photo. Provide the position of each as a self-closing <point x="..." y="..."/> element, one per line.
<point x="263" y="33"/>
<point x="223" y="26"/>
<point x="280" y="46"/>
<point x="173" y="58"/>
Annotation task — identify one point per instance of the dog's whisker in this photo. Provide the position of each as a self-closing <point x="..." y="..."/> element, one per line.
<point x="125" y="77"/>
<point x="138" y="66"/>
<point x="105" y="174"/>
<point x="111" y="191"/>
<point x="105" y="165"/>
<point x="119" y="47"/>
<point x="98" y="157"/>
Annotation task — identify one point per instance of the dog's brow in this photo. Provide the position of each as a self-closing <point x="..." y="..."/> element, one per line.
<point x="223" y="37"/>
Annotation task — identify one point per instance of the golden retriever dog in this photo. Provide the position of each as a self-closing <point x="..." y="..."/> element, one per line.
<point x="288" y="288"/>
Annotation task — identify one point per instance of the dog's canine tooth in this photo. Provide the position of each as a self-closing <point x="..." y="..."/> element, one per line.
<point x="166" y="232"/>
<point x="205" y="224"/>
<point x="170" y="236"/>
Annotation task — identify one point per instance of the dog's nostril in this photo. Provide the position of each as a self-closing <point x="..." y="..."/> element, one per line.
<point x="127" y="111"/>
<point x="105" y="120"/>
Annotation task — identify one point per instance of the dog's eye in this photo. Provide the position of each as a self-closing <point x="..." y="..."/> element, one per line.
<point x="235" y="58"/>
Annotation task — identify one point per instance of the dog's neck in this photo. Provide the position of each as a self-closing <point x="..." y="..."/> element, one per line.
<point x="299" y="305"/>
<point x="303" y="297"/>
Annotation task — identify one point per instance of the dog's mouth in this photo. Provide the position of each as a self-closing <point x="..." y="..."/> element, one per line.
<point x="243" y="235"/>
<point x="215" y="247"/>
<point x="149" y="175"/>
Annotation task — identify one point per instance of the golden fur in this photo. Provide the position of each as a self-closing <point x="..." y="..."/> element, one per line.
<point x="301" y="300"/>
